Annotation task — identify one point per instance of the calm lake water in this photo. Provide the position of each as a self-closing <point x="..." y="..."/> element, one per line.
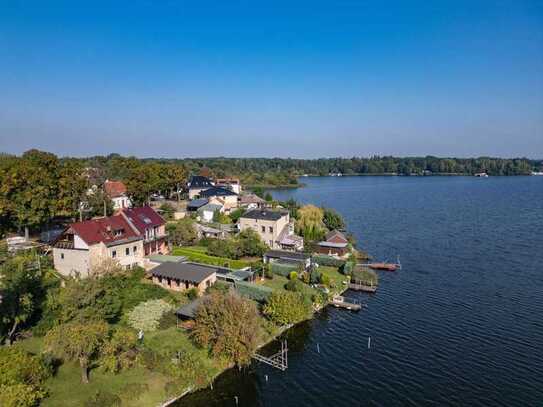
<point x="460" y="325"/>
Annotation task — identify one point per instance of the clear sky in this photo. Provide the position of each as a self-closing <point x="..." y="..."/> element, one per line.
<point x="293" y="78"/>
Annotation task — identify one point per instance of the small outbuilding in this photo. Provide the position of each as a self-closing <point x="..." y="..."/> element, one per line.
<point x="184" y="276"/>
<point x="336" y="244"/>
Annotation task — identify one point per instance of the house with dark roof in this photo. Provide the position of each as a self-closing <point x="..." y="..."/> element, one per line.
<point x="151" y="226"/>
<point x="273" y="227"/>
<point x="335" y="244"/>
<point x="197" y="184"/>
<point x="116" y="191"/>
<point x="83" y="246"/>
<point x="195" y="204"/>
<point x="184" y="276"/>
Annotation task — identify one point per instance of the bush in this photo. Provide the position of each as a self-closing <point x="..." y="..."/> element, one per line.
<point x="192" y="294"/>
<point x="323" y="260"/>
<point x="167" y="211"/>
<point x="324" y="279"/>
<point x="314" y="277"/>
<point x="20" y="395"/>
<point x="146" y="316"/>
<point x="287" y="307"/>
<point x="347" y="268"/>
<point x="20" y="367"/>
<point x="293" y="275"/>
<point x="294" y="285"/>
<point x="365" y="276"/>
<point x="283" y="269"/>
<point x="268" y="273"/>
<point x="103" y="399"/>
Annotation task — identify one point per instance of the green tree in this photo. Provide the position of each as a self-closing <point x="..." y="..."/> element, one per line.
<point x="71" y="188"/>
<point x="21" y="289"/>
<point x="268" y="197"/>
<point x="229" y="326"/>
<point x="332" y="220"/>
<point x="142" y="181"/>
<point x="97" y="201"/>
<point x="78" y="342"/>
<point x="120" y="352"/>
<point x="310" y="222"/>
<point x="31" y="189"/>
<point x="183" y="232"/>
<point x="285" y="308"/>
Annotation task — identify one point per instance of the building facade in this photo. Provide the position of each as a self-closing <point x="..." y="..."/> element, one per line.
<point x="268" y="224"/>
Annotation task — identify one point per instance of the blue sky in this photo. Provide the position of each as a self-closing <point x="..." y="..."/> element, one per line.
<point x="298" y="78"/>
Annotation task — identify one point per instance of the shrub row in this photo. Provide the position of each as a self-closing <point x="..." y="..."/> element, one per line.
<point x="323" y="260"/>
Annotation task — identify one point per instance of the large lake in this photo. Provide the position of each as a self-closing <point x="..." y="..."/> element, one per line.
<point x="460" y="325"/>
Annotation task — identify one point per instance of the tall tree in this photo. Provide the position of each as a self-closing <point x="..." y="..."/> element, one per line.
<point x="21" y="290"/>
<point x="310" y="222"/>
<point x="78" y="342"/>
<point x="229" y="326"/>
<point x="71" y="188"/>
<point x="332" y="219"/>
<point x="34" y="190"/>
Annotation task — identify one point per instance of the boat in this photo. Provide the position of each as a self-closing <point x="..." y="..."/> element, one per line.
<point x="482" y="175"/>
<point x="383" y="266"/>
<point x="537" y="173"/>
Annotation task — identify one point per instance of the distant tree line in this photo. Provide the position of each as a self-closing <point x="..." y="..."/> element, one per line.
<point x="285" y="171"/>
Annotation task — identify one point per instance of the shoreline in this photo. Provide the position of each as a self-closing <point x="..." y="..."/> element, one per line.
<point x="280" y="332"/>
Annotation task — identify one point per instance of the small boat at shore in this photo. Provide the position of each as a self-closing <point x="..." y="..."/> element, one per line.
<point x="383" y="266"/>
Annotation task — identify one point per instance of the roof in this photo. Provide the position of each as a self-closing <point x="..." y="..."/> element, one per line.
<point x="163" y="258"/>
<point x="217" y="191"/>
<point x="210" y="207"/>
<point x="291" y="240"/>
<point x="251" y="198"/>
<point x="143" y="217"/>
<point x="196" y="203"/>
<point x="286" y="255"/>
<point x="336" y="236"/>
<point x="114" y="189"/>
<point x="198" y="181"/>
<point x="192" y="272"/>
<point x="189" y="310"/>
<point x="264" y="214"/>
<point x="333" y="244"/>
<point x="110" y="230"/>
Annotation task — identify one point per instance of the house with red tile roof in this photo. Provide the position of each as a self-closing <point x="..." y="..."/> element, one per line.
<point x="151" y="226"/>
<point x="85" y="245"/>
<point x="116" y="190"/>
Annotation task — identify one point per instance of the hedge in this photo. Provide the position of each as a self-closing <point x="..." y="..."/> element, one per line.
<point x="283" y="269"/>
<point x="255" y="292"/>
<point x="323" y="260"/>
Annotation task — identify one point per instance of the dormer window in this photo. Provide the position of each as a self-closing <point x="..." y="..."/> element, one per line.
<point x="118" y="232"/>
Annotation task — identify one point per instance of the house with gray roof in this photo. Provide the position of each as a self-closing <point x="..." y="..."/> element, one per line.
<point x="184" y="276"/>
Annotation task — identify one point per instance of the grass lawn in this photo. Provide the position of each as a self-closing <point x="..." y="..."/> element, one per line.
<point x="277" y="283"/>
<point x="336" y="278"/>
<point x="66" y="389"/>
<point x="198" y="254"/>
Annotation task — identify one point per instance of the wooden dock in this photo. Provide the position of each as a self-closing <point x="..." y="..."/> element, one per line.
<point x="363" y="287"/>
<point x="339" y="301"/>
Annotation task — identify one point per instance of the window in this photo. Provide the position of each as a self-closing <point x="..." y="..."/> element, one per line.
<point x="127" y="251"/>
<point x="114" y="253"/>
<point x="135" y="249"/>
<point x="62" y="256"/>
<point x="263" y="229"/>
<point x="270" y="243"/>
<point x="270" y="229"/>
